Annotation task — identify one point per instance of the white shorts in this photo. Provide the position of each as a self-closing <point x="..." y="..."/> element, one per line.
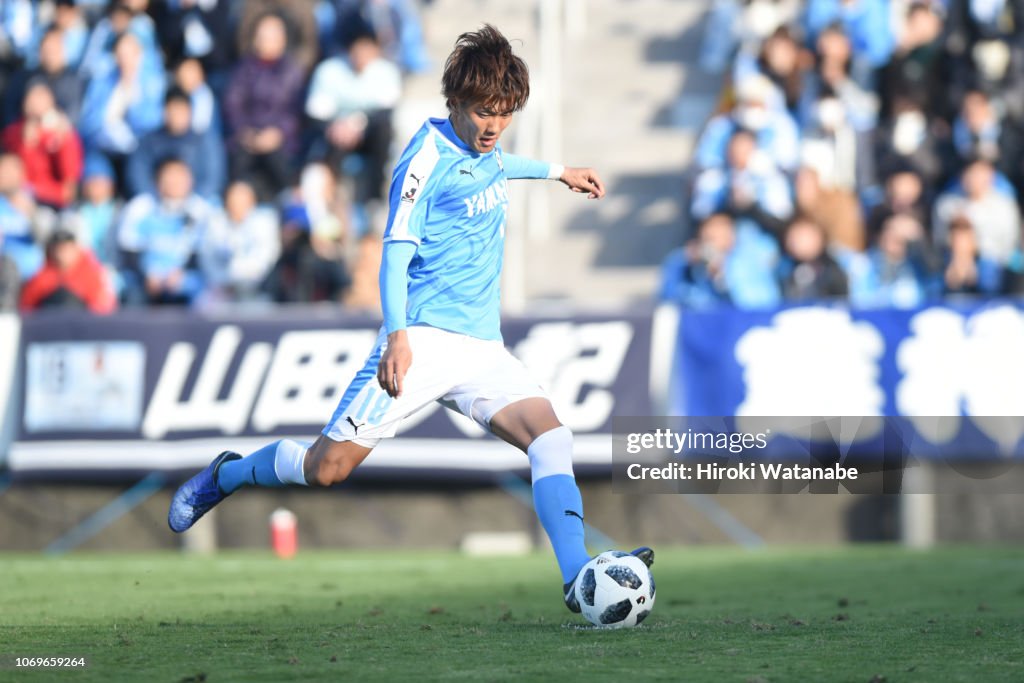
<point x="476" y="377"/>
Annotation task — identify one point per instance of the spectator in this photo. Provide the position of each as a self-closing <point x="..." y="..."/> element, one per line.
<point x="159" y="237"/>
<point x="829" y="146"/>
<point x="317" y="198"/>
<point x="865" y="21"/>
<point x="71" y="278"/>
<point x="124" y="17"/>
<point x="16" y="213"/>
<point x="48" y="146"/>
<point x="987" y="49"/>
<point x="898" y="272"/>
<point x="809" y="273"/>
<point x="777" y="134"/>
<point x="838" y="213"/>
<point x="832" y="77"/>
<point x="396" y="24"/>
<point x="206" y="114"/>
<point x="979" y="132"/>
<point x="203" y="154"/>
<point x="353" y="99"/>
<point x="237" y="252"/>
<point x="741" y="22"/>
<point x="97" y="212"/>
<point x="54" y="71"/>
<point x="122" y="105"/>
<point x="967" y="271"/>
<point x="17" y="19"/>
<point x="782" y="60"/>
<point x="993" y="213"/>
<point x="840" y="164"/>
<point x="312" y="265"/>
<point x="298" y="19"/>
<point x="262" y="111"/>
<point x="918" y="70"/>
<point x="971" y="21"/>
<point x="74" y="30"/>
<point x="198" y="30"/>
<point x="908" y="139"/>
<point x="744" y="187"/>
<point x="904" y="194"/>
<point x="727" y="263"/>
<point x="925" y="95"/>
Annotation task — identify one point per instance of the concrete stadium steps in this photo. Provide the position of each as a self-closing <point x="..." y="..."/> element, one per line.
<point x="632" y="102"/>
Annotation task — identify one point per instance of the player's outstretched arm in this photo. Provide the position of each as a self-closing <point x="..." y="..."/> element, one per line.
<point x="578" y="179"/>
<point x="583" y="180"/>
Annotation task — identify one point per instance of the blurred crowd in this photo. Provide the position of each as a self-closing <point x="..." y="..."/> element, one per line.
<point x="870" y="151"/>
<point x="191" y="152"/>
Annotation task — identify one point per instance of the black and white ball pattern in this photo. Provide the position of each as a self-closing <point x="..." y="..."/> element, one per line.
<point x="615" y="590"/>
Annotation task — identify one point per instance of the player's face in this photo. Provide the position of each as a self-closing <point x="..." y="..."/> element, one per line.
<point x="480" y="126"/>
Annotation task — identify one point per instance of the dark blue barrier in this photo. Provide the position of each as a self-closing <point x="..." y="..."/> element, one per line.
<point x="952" y="376"/>
<point x="165" y="390"/>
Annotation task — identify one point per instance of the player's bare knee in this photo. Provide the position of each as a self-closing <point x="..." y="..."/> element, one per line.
<point x="329" y="474"/>
<point x="550" y="427"/>
<point x="332" y="469"/>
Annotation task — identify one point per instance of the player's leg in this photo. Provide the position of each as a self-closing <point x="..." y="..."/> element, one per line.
<point x="284" y="462"/>
<point x="502" y="397"/>
<point x="272" y="466"/>
<point x="531" y="426"/>
<point x="330" y="462"/>
<point x="277" y="464"/>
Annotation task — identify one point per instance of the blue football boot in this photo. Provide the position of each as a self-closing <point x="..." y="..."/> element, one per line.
<point x="198" y="495"/>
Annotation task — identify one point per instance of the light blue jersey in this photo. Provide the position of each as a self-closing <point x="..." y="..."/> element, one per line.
<point x="451" y="202"/>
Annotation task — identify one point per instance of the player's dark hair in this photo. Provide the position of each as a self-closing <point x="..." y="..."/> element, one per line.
<point x="483" y="69"/>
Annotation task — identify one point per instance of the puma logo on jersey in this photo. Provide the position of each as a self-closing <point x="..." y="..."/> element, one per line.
<point x="487" y="200"/>
<point x="410" y="194"/>
<point x="466" y="171"/>
<point x="355" y="427"/>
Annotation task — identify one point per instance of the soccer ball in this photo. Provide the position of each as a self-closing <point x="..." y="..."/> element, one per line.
<point x="615" y="590"/>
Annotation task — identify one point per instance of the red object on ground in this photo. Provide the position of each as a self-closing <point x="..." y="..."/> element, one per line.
<point x="284" y="533"/>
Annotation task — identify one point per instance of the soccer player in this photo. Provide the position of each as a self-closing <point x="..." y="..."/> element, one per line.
<point x="441" y="338"/>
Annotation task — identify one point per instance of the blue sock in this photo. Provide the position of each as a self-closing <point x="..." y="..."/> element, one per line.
<point x="559" y="507"/>
<point x="254" y="470"/>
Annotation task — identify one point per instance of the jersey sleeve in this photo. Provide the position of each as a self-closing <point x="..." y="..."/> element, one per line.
<point x="394" y="285"/>
<point x="521" y="167"/>
<point x="416" y="176"/>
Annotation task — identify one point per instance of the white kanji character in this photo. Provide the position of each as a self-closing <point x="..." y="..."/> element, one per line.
<point x="811" y="362"/>
<point x="951" y="366"/>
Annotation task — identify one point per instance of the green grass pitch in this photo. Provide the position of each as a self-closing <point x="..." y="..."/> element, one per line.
<point x="837" y="614"/>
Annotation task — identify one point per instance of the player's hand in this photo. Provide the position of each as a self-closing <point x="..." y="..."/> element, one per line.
<point x="394" y="363"/>
<point x="584" y="180"/>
